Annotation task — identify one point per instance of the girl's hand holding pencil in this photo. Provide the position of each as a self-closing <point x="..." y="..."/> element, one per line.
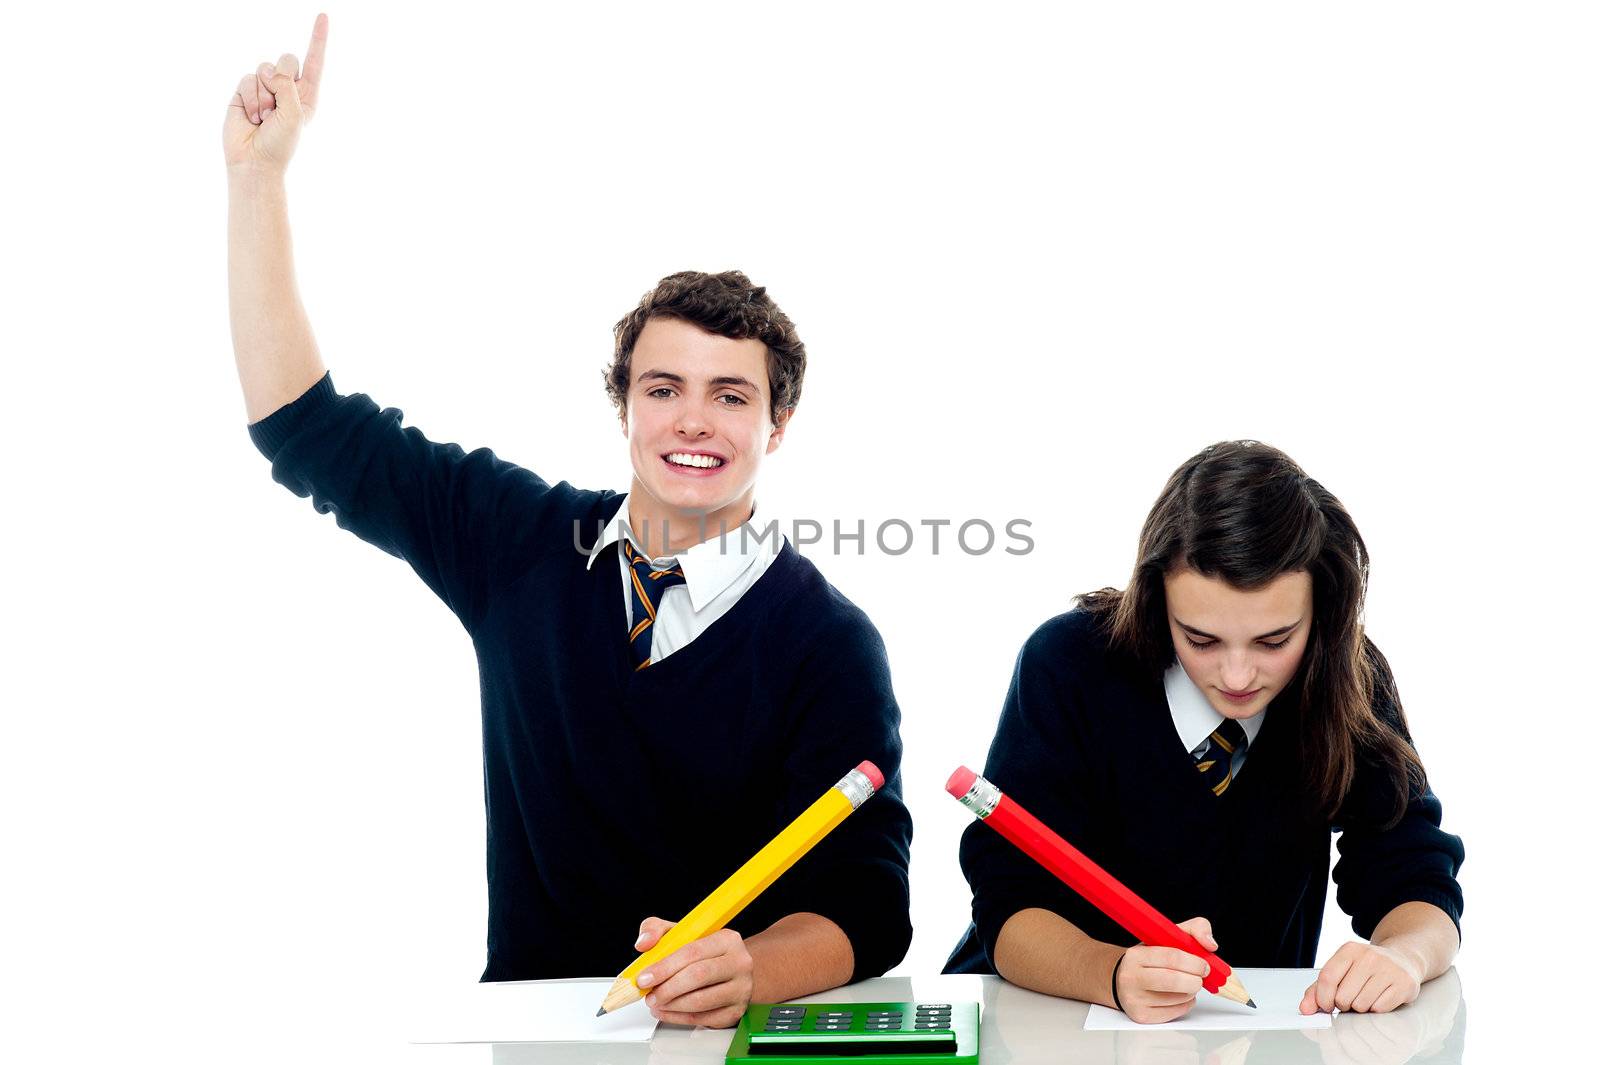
<point x="1156" y="984"/>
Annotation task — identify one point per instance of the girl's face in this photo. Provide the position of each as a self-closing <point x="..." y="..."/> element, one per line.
<point x="1239" y="647"/>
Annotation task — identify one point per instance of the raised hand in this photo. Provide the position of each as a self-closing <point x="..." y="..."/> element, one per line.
<point x="270" y="107"/>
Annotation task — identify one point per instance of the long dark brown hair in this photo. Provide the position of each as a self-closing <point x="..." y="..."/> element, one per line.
<point x="1246" y="513"/>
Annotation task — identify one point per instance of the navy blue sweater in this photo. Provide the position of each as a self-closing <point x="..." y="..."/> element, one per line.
<point x="610" y="794"/>
<point x="1086" y="743"/>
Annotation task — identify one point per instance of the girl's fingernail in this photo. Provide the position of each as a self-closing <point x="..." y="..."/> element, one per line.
<point x="651" y="1002"/>
<point x="640" y="941"/>
<point x="646" y="979"/>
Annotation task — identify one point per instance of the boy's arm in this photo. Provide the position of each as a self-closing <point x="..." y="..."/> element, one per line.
<point x="842" y="913"/>
<point x="452" y="515"/>
<point x="856" y="879"/>
<point x="273" y="348"/>
<point x="797" y="955"/>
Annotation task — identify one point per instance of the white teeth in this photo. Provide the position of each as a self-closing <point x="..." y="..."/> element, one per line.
<point x="702" y="461"/>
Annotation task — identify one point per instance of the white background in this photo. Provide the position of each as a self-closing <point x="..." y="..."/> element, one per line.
<point x="1038" y="258"/>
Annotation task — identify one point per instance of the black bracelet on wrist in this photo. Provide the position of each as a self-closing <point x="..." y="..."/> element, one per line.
<point x="1114" y="969"/>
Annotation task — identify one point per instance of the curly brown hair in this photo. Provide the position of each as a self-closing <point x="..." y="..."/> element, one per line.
<point x="727" y="304"/>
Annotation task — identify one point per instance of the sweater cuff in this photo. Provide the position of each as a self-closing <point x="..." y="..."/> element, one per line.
<point x="1444" y="900"/>
<point x="879" y="934"/>
<point x="990" y="915"/>
<point x="271" y="432"/>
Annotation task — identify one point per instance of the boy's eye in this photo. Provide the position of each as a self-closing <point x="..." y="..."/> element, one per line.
<point x="733" y="400"/>
<point x="660" y="393"/>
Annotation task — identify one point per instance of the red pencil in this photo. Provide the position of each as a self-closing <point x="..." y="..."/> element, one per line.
<point x="1074" y="868"/>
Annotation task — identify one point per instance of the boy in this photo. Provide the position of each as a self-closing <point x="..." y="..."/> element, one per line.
<point x="659" y="699"/>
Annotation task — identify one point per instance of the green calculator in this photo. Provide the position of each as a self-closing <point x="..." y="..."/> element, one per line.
<point x="816" y="1033"/>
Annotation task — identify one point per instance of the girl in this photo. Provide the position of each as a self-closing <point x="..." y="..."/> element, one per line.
<point x="1200" y="735"/>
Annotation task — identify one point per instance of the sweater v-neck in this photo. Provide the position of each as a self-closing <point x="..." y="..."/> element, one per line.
<point x="1180" y="760"/>
<point x="767" y="594"/>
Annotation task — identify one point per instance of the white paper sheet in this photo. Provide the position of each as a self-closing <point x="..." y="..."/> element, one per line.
<point x="1277" y="993"/>
<point x="538" y="1011"/>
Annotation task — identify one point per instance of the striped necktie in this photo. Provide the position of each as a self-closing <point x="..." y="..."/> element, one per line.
<point x="648" y="586"/>
<point x="1219" y="757"/>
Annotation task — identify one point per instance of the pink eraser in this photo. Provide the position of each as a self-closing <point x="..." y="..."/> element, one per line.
<point x="960" y="782"/>
<point x="872" y="773"/>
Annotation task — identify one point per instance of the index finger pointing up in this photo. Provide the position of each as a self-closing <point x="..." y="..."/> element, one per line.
<point x="311" y="74"/>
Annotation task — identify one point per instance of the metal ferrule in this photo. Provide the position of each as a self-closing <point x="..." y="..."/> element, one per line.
<point x="981" y="798"/>
<point x="856" y="787"/>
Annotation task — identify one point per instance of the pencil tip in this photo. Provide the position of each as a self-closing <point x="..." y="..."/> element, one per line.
<point x="601" y="1012"/>
<point x="1251" y="1004"/>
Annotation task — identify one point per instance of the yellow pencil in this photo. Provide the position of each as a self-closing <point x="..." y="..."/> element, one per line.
<point x="753" y="877"/>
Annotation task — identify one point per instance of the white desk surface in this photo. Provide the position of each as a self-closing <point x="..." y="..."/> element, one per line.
<point x="1021" y="1027"/>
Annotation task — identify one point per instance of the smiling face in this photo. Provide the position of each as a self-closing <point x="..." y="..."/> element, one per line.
<point x="698" y="421"/>
<point x="1239" y="647"/>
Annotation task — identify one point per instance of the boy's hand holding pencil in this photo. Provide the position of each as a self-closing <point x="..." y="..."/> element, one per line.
<point x="704" y="968"/>
<point x="706" y="982"/>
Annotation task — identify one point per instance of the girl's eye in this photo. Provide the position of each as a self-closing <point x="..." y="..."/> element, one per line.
<point x="1199" y="646"/>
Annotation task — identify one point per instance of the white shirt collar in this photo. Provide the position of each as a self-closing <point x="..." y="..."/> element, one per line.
<point x="710" y="566"/>
<point x="1194" y="715"/>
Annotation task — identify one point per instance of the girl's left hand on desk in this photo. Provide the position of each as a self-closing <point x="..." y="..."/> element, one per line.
<point x="1363" y="978"/>
<point x="707" y="982"/>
